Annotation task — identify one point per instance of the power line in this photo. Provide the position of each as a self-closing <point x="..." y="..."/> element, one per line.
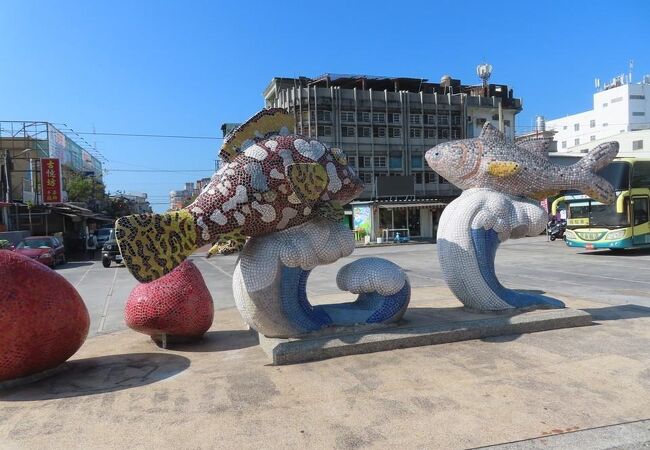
<point x="148" y="135"/>
<point x="160" y="170"/>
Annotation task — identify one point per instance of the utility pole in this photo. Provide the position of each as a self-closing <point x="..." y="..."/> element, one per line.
<point x="5" y="212"/>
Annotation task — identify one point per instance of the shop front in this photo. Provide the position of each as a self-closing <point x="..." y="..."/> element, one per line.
<point x="390" y="221"/>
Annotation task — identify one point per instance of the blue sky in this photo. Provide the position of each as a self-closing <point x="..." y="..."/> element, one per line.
<point x="183" y="68"/>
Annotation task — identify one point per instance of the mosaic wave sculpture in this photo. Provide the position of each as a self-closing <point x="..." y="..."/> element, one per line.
<point x="501" y="179"/>
<point x="270" y="280"/>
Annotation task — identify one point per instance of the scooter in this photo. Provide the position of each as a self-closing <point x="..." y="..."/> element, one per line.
<point x="556" y="229"/>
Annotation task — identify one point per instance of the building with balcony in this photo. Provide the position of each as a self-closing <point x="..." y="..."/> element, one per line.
<point x="385" y="125"/>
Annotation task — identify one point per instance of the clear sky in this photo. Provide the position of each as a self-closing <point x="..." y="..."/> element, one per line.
<point x="185" y="67"/>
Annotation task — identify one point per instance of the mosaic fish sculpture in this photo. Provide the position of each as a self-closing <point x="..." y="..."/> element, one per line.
<point x="500" y="180"/>
<point x="271" y="180"/>
<point x="519" y="169"/>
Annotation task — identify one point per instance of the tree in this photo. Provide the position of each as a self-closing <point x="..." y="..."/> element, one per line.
<point x="80" y="189"/>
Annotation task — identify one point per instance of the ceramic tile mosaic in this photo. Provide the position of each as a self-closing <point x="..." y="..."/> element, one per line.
<point x="178" y="304"/>
<point x="500" y="179"/>
<point x="43" y="319"/>
<point x="270" y="280"/>
<point x="271" y="181"/>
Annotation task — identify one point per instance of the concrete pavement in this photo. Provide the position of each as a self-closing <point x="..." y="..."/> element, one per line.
<point x="536" y="390"/>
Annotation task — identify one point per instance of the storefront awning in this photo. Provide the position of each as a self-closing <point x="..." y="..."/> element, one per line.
<point x="413" y="205"/>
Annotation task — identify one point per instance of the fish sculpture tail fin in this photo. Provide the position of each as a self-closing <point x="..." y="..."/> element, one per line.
<point x="152" y="245"/>
<point x="591" y="184"/>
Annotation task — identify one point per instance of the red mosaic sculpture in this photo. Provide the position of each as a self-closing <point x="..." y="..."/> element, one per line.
<point x="178" y="305"/>
<point x="43" y="320"/>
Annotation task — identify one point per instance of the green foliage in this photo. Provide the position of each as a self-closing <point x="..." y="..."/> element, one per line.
<point x="80" y="189"/>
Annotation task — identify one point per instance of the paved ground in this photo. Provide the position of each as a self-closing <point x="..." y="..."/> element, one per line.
<point x="532" y="263"/>
<point x="572" y="388"/>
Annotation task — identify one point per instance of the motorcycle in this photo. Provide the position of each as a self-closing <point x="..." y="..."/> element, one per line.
<point x="556" y="229"/>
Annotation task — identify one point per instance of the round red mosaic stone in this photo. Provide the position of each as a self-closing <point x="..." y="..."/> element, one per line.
<point x="178" y="304"/>
<point x="43" y="320"/>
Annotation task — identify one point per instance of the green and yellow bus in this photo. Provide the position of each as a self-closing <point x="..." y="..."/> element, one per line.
<point x="624" y="223"/>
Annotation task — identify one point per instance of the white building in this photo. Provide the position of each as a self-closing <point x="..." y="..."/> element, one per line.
<point x="621" y="112"/>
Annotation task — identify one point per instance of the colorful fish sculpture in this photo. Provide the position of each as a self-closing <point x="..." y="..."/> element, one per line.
<point x="271" y="180"/>
<point x="522" y="169"/>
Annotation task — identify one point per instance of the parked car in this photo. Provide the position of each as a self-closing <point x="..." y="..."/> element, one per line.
<point x="103" y="235"/>
<point x="111" y="251"/>
<point x="46" y="249"/>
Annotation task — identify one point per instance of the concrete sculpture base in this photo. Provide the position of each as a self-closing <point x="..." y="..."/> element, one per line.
<point x="419" y="327"/>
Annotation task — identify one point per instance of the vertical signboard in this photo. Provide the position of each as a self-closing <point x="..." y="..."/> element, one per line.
<point x="51" y="180"/>
<point x="361" y="216"/>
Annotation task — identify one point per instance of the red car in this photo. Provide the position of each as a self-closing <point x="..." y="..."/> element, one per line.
<point x="46" y="249"/>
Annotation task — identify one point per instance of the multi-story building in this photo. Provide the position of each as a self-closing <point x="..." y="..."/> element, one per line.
<point x="385" y="126"/>
<point x="138" y="201"/>
<point x="621" y="112"/>
<point x="22" y="145"/>
<point x="177" y="199"/>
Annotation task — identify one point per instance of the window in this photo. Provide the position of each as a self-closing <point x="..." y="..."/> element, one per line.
<point x="396" y="162"/>
<point x="441" y="180"/>
<point x="640" y="210"/>
<point x="564" y="127"/>
<point x="366" y="177"/>
<point x="576" y="127"/>
<point x="352" y="161"/>
<point x="616" y="100"/>
<point x="347" y="116"/>
<point x="455" y="120"/>
<point x="394" y="132"/>
<point x="325" y="116"/>
<point x="638" y="113"/>
<point x="576" y="141"/>
<point x="506" y="123"/>
<point x="415" y="119"/>
<point x="364" y="131"/>
<point x="347" y="131"/>
<point x="443" y="133"/>
<point x="495" y="117"/>
<point x="637" y="97"/>
<point x="363" y="116"/>
<point x="592" y="138"/>
<point x="379" y="131"/>
<point x="637" y="145"/>
<point x="604" y="105"/>
<point x="416" y="161"/>
<point x="394" y="117"/>
<point x="430" y="133"/>
<point x="430" y="119"/>
<point x="378" y="118"/>
<point x="443" y="120"/>
<point x="563" y="144"/>
<point x="605" y="124"/>
<point x="455" y="133"/>
<point x="324" y="130"/>
<point x="380" y="162"/>
<point x="365" y="161"/>
<point x="592" y="123"/>
<point x="415" y="132"/>
<point x="418" y="177"/>
<point x="430" y="177"/>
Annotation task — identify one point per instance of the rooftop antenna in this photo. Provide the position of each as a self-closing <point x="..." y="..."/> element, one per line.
<point x="629" y="76"/>
<point x="484" y="70"/>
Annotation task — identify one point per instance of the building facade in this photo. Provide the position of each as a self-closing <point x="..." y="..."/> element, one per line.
<point x="621" y="111"/>
<point x="385" y="126"/>
<point x="22" y="145"/>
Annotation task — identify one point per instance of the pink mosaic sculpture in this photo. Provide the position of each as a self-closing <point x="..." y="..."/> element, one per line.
<point x="43" y="320"/>
<point x="177" y="306"/>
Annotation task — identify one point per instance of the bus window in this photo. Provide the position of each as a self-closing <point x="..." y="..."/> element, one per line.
<point x="618" y="174"/>
<point x="640" y="210"/>
<point x="641" y="174"/>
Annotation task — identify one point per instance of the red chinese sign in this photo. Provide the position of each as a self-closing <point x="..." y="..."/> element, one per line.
<point x="51" y="180"/>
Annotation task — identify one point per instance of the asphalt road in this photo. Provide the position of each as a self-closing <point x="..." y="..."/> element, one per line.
<point x="531" y="263"/>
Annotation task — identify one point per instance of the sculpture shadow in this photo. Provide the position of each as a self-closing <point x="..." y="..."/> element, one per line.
<point x="618" y="312"/>
<point x="220" y="341"/>
<point x="100" y="375"/>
